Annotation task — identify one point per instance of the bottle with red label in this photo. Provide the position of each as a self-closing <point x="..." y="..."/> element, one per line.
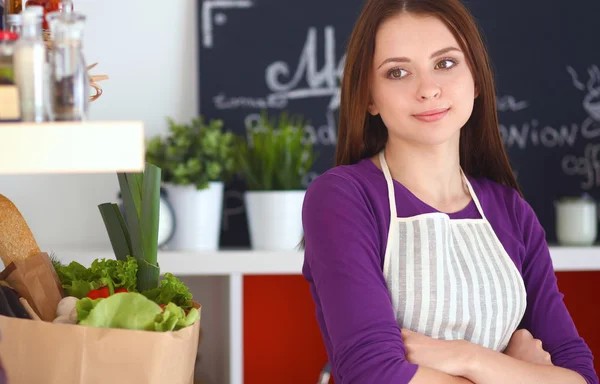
<point x="15" y="7"/>
<point x="49" y="6"/>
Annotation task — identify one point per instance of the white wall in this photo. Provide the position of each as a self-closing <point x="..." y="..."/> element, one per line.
<point x="151" y="61"/>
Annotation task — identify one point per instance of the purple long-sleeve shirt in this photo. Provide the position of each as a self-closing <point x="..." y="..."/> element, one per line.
<point x="346" y="217"/>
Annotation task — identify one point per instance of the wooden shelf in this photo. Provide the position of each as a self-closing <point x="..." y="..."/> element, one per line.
<point x="249" y="262"/>
<point x="72" y="147"/>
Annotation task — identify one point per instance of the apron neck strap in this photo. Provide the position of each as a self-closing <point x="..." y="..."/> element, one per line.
<point x="390" y="185"/>
<point x="473" y="194"/>
<point x="392" y="196"/>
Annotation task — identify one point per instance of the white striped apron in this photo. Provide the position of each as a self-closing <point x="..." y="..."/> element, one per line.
<point x="451" y="279"/>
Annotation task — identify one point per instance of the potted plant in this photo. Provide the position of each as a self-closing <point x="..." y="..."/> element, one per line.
<point x="196" y="159"/>
<point x="273" y="160"/>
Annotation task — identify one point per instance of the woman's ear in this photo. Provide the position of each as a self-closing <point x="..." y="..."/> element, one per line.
<point x="372" y="108"/>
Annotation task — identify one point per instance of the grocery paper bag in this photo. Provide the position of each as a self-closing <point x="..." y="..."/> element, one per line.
<point x="36" y="280"/>
<point x="49" y="353"/>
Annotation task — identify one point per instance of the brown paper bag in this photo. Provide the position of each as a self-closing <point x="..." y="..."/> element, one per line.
<point x="40" y="352"/>
<point x="36" y="280"/>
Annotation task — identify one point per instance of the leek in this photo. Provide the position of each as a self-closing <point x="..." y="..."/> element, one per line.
<point x="116" y="229"/>
<point x="138" y="231"/>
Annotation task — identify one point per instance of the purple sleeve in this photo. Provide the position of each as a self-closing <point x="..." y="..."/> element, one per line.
<point x="546" y="316"/>
<point x="343" y="267"/>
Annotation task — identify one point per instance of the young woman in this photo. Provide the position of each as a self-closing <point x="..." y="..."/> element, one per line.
<point x="425" y="263"/>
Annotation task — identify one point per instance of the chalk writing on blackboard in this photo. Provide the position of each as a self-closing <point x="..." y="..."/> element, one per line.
<point x="509" y="103"/>
<point x="587" y="166"/>
<point x="319" y="82"/>
<point x="534" y="134"/>
<point x="207" y="16"/>
<point x="591" y="101"/>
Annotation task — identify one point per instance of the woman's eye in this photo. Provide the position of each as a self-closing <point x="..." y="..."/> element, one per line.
<point x="396" y="73"/>
<point x="446" y="64"/>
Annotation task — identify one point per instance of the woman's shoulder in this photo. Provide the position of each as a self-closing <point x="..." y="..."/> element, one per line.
<point x="353" y="189"/>
<point x="503" y="206"/>
<point x="498" y="195"/>
<point x="355" y="178"/>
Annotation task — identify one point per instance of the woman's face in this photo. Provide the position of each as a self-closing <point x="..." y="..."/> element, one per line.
<point x="421" y="84"/>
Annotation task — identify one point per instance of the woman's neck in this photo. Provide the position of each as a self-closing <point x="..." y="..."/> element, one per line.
<point x="431" y="173"/>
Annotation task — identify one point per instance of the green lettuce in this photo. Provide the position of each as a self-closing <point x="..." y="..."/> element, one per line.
<point x="174" y="318"/>
<point x="122" y="274"/>
<point x="85" y="306"/>
<point x="134" y="311"/>
<point x="171" y="289"/>
<point x="78" y="280"/>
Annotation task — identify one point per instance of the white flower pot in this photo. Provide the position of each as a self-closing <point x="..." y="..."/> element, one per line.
<point x="197" y="216"/>
<point x="274" y="219"/>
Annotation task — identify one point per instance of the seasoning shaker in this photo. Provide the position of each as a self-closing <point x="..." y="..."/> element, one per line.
<point x="12" y="7"/>
<point x="65" y="6"/>
<point x="69" y="79"/>
<point x="30" y="62"/>
<point x="14" y="23"/>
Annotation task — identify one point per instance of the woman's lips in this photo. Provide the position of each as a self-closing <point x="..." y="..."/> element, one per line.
<point x="432" y="115"/>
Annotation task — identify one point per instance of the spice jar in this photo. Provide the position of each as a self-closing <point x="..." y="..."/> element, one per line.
<point x="14" y="23"/>
<point x="48" y="6"/>
<point x="69" y="78"/>
<point x="13" y="7"/>
<point x="31" y="70"/>
<point x="9" y="94"/>
<point x="7" y="50"/>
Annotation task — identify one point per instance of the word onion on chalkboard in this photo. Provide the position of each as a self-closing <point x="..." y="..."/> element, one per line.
<point x="279" y="55"/>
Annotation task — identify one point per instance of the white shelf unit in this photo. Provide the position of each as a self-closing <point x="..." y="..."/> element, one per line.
<point x="249" y="262"/>
<point x="237" y="263"/>
<point x="72" y="147"/>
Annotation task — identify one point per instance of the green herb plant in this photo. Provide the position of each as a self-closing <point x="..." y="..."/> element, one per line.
<point x="194" y="154"/>
<point x="275" y="156"/>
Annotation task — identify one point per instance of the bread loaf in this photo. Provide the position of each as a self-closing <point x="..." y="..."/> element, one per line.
<point x="16" y="240"/>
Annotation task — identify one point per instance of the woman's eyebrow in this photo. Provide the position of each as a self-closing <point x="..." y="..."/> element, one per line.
<point x="407" y="60"/>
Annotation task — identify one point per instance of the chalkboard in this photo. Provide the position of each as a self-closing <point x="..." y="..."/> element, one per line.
<point x="281" y="54"/>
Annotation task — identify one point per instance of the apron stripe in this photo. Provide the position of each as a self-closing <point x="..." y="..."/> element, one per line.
<point x="435" y="301"/>
<point x="470" y="278"/>
<point x="516" y="279"/>
<point x="410" y="273"/>
<point x="462" y="297"/>
<point x="497" y="294"/>
<point x="424" y="273"/>
<point x="450" y="307"/>
<point x="399" y="278"/>
<point x="442" y="296"/>
<point x="511" y="307"/>
<point x="420" y="254"/>
<point x="480" y="262"/>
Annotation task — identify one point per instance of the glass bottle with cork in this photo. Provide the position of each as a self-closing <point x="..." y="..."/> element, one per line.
<point x="15" y="7"/>
<point x="69" y="77"/>
<point x="30" y="67"/>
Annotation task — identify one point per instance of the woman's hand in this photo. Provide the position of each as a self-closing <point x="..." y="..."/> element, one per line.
<point x="448" y="356"/>
<point x="523" y="346"/>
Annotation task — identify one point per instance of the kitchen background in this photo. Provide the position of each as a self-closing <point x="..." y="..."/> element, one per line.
<point x="228" y="59"/>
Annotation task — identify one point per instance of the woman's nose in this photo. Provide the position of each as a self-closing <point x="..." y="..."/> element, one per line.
<point x="428" y="89"/>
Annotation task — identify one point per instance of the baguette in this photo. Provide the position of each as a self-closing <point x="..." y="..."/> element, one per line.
<point x="16" y="239"/>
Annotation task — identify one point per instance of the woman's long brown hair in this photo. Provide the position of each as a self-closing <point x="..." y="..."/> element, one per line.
<point x="361" y="135"/>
